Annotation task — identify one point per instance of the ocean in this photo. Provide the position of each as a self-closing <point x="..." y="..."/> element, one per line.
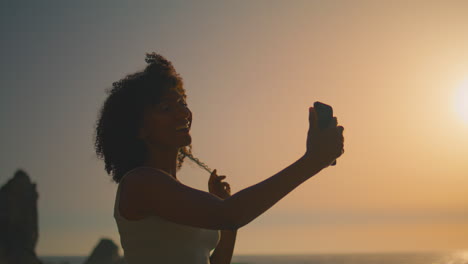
<point x="460" y="257"/>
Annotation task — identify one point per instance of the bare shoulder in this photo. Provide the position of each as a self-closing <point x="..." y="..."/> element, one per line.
<point x="136" y="183"/>
<point x="153" y="192"/>
<point x="144" y="173"/>
<point x="145" y="178"/>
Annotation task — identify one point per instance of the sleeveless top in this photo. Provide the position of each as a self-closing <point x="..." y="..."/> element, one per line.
<point x="154" y="239"/>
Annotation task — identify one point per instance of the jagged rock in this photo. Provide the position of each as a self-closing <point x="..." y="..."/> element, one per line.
<point x="18" y="221"/>
<point x="106" y="252"/>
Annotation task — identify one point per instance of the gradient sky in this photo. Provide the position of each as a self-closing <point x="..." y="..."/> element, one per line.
<point x="392" y="70"/>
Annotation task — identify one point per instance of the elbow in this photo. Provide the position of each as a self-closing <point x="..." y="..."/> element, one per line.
<point x="230" y="225"/>
<point x="230" y="219"/>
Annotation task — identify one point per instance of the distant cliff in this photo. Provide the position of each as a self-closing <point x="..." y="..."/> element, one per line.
<point x="18" y="221"/>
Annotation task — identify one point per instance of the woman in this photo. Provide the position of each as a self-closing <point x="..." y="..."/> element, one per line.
<point x="143" y="136"/>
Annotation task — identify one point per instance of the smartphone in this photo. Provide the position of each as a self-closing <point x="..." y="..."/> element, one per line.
<point x="325" y="116"/>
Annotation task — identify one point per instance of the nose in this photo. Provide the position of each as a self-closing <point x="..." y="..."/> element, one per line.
<point x="186" y="114"/>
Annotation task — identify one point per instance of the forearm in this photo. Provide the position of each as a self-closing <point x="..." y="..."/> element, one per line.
<point x="225" y="248"/>
<point x="247" y="204"/>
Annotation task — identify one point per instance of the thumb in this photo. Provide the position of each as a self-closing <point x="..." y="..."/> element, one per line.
<point x="213" y="173"/>
<point x="312" y="119"/>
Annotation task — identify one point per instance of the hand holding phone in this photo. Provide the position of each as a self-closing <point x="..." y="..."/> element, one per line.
<point x="324" y="141"/>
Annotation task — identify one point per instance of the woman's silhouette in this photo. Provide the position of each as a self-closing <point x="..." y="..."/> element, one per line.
<point x="159" y="219"/>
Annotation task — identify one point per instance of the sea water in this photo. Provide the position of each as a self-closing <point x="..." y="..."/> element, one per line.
<point x="459" y="257"/>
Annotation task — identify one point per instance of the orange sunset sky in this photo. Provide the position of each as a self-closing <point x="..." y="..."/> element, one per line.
<point x="395" y="72"/>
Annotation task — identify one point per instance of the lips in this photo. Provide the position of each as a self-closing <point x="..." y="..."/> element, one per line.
<point x="184" y="126"/>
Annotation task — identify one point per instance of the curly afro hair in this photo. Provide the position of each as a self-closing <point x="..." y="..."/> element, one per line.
<point x="121" y="116"/>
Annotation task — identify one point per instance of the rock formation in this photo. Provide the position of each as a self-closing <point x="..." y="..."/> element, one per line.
<point x="19" y="226"/>
<point x="18" y="221"/>
<point x="106" y="252"/>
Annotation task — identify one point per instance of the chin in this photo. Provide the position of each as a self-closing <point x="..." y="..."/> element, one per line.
<point x="186" y="142"/>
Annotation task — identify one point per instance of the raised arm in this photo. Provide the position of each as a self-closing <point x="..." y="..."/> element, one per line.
<point x="249" y="203"/>
<point x="162" y="195"/>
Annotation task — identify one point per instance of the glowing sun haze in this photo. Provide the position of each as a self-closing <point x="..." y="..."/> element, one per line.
<point x="394" y="72"/>
<point x="461" y="101"/>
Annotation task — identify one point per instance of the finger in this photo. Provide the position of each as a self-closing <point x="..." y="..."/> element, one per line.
<point x="339" y="131"/>
<point x="221" y="177"/>
<point x="333" y="122"/>
<point x="312" y="119"/>
<point x="212" y="176"/>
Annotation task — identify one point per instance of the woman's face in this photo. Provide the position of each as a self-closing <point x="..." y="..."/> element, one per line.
<point x="160" y="122"/>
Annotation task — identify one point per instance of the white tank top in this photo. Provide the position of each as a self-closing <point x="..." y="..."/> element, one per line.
<point x="156" y="240"/>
